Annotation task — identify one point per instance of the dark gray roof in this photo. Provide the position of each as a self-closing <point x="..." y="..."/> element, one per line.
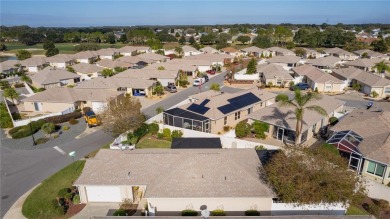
<point x="186" y="143"/>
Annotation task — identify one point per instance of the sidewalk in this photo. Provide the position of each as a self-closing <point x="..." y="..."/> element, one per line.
<point x="16" y="209"/>
<point x="377" y="190"/>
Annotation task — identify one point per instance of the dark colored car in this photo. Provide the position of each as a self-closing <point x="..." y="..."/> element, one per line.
<point x="206" y="78"/>
<point x="300" y="86"/>
<point x="210" y="72"/>
<point x="171" y="88"/>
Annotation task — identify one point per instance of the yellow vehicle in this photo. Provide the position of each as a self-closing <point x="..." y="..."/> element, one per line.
<point x="91" y="119"/>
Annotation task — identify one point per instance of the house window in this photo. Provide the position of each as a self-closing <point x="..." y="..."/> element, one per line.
<point x="63" y="82"/>
<point x="375" y="168"/>
<point x="237" y="115"/>
<point x="225" y="120"/>
<point x="250" y="110"/>
<point x="278" y="81"/>
<point x="261" y="103"/>
<point x="289" y="64"/>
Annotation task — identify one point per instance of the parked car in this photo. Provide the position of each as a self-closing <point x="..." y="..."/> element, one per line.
<point x="210" y="72"/>
<point x="171" y="88"/>
<point x="300" y="86"/>
<point x="91" y="119"/>
<point x="206" y="78"/>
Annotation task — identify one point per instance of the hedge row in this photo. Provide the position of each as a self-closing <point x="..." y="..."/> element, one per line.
<point x="189" y="212"/>
<point x="64" y="118"/>
<point x="26" y="130"/>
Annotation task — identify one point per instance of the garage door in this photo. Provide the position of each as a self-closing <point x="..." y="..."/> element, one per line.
<point x="366" y="89"/>
<point x="103" y="194"/>
<point x="98" y="106"/>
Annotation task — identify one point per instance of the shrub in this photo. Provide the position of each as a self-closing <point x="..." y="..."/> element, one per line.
<point x="16" y="116"/>
<point x="76" y="199"/>
<point x="333" y="120"/>
<point x="374" y="94"/>
<point x="167" y="133"/>
<point x="218" y="212"/>
<point x="291" y="83"/>
<point x="62" y="193"/>
<point x="41" y="140"/>
<point x="242" y="129"/>
<point x="189" y="212"/>
<point x="381" y="203"/>
<point x="5" y="118"/>
<point x="73" y="121"/>
<point x="26" y="130"/>
<point x="260" y="148"/>
<point x="19" y="85"/>
<point x="153" y="128"/>
<point x="160" y="135"/>
<point x="372" y="209"/>
<point x="177" y="134"/>
<point x="259" y="128"/>
<point x="65" y="127"/>
<point x="63" y="118"/>
<point x="120" y="212"/>
<point x="55" y="135"/>
<point x="316" y="90"/>
<point x="141" y="131"/>
<point x="86" y="109"/>
<point x="226" y="128"/>
<point x="252" y="213"/>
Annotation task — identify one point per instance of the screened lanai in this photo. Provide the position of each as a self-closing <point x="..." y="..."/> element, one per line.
<point x="347" y="142"/>
<point x="184" y="119"/>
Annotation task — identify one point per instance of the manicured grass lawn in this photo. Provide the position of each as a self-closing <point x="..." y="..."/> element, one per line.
<point x="151" y="142"/>
<point x="41" y="203"/>
<point x="353" y="210"/>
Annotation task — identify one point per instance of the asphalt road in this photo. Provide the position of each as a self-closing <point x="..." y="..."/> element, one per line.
<point x="23" y="169"/>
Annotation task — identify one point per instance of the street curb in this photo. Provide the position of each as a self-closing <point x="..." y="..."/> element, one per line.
<point x="15" y="210"/>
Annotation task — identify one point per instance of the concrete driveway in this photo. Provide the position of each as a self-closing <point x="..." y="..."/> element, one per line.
<point x="97" y="209"/>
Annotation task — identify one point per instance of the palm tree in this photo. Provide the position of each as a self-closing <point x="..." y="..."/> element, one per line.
<point x="26" y="79"/>
<point x="381" y="67"/>
<point x="179" y="50"/>
<point x="300" y="104"/>
<point x="48" y="128"/>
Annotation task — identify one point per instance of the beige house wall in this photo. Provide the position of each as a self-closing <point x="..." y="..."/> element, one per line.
<point x="378" y="179"/>
<point x="286" y="82"/>
<point x="227" y="204"/>
<point x="126" y="193"/>
<point x="48" y="107"/>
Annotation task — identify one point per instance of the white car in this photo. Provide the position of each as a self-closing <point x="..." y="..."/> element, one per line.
<point x="198" y="82"/>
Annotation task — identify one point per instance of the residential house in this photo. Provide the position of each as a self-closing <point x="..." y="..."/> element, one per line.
<point x="87" y="57"/>
<point x="363" y="137"/>
<point x="108" y="53"/>
<point x="66" y="100"/>
<point x="163" y="76"/>
<point x="231" y="51"/>
<point x="326" y="64"/>
<point x="214" y="110"/>
<point x="368" y="82"/>
<point x="142" y="49"/>
<point x="60" y="61"/>
<point x="317" y="79"/>
<point x="128" y="51"/>
<point x="112" y="64"/>
<point x="177" y="179"/>
<point x="187" y="66"/>
<point x="287" y="62"/>
<point x="341" y="53"/>
<point x="366" y="64"/>
<point x="282" y="120"/>
<point x="313" y="54"/>
<point x="208" y="49"/>
<point x="50" y="77"/>
<point x="278" y="51"/>
<point x="371" y="54"/>
<point x="10" y="66"/>
<point x="274" y="74"/>
<point x="132" y="86"/>
<point x="87" y="71"/>
<point x="256" y="52"/>
<point x="153" y="57"/>
<point x="34" y="64"/>
<point x="134" y="60"/>
<point x="214" y="58"/>
<point x="190" y="51"/>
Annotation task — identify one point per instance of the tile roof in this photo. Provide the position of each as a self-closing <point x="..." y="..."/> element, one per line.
<point x="284" y="116"/>
<point x="315" y="74"/>
<point x="50" y="76"/>
<point x="324" y="61"/>
<point x="115" y="83"/>
<point x="273" y="71"/>
<point x="217" y="100"/>
<point x="375" y="132"/>
<point x="86" y="68"/>
<point x="284" y="59"/>
<point x="179" y="173"/>
<point x="71" y="95"/>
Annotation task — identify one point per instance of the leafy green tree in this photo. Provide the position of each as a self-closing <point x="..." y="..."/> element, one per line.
<point x="364" y="55"/>
<point x="159" y="89"/>
<point x="262" y="42"/>
<point x="111" y="38"/>
<point x="107" y="72"/>
<point x="70" y="69"/>
<point x="215" y="87"/>
<point x="3" y="47"/>
<point x="51" y="52"/>
<point x="326" y="173"/>
<point x="259" y="128"/>
<point x="159" y="109"/>
<point x="119" y="69"/>
<point x="123" y="38"/>
<point x="154" y="44"/>
<point x="165" y="37"/>
<point x="86" y="47"/>
<point x="243" y="39"/>
<point x="26" y="79"/>
<point x="354" y="45"/>
<point x="192" y="40"/>
<point x="11" y="93"/>
<point x="379" y="46"/>
<point x="300" y="103"/>
<point x="242" y="129"/>
<point x="300" y="52"/>
<point x="208" y="39"/>
<point x="252" y="67"/>
<point x="48" y="128"/>
<point x="160" y="52"/>
<point x="76" y="39"/>
<point x="177" y="34"/>
<point x="179" y="51"/>
<point x="381" y="67"/>
<point x="182" y="40"/>
<point x="222" y="45"/>
<point x="224" y="37"/>
<point x="48" y="45"/>
<point x="23" y="54"/>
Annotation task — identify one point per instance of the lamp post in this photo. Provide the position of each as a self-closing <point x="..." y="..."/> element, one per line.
<point x="32" y="134"/>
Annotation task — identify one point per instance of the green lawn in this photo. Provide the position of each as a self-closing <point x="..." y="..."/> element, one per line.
<point x="151" y="142"/>
<point x="41" y="203"/>
<point x="353" y="210"/>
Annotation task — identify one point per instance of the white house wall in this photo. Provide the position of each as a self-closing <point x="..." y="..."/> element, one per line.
<point x="32" y="69"/>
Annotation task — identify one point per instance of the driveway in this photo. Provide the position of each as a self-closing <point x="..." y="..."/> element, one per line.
<point x="97" y="209"/>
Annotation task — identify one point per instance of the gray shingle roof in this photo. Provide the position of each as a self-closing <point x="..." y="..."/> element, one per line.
<point x="315" y="74"/>
<point x="86" y="68"/>
<point x="34" y="61"/>
<point x="367" y="63"/>
<point x="153" y="57"/>
<point x="253" y="49"/>
<point x="324" y="61"/>
<point x="50" y="76"/>
<point x="273" y="71"/>
<point x="284" y="59"/>
<point x="115" y="83"/>
<point x="9" y="64"/>
<point x="180" y="172"/>
<point x="362" y="76"/>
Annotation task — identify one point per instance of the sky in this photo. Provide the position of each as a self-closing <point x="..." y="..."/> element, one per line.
<point x="82" y="13"/>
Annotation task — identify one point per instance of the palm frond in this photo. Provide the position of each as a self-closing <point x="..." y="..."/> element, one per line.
<point x="317" y="109"/>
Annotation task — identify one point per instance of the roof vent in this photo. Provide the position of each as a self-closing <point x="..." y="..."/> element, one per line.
<point x="128" y="175"/>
